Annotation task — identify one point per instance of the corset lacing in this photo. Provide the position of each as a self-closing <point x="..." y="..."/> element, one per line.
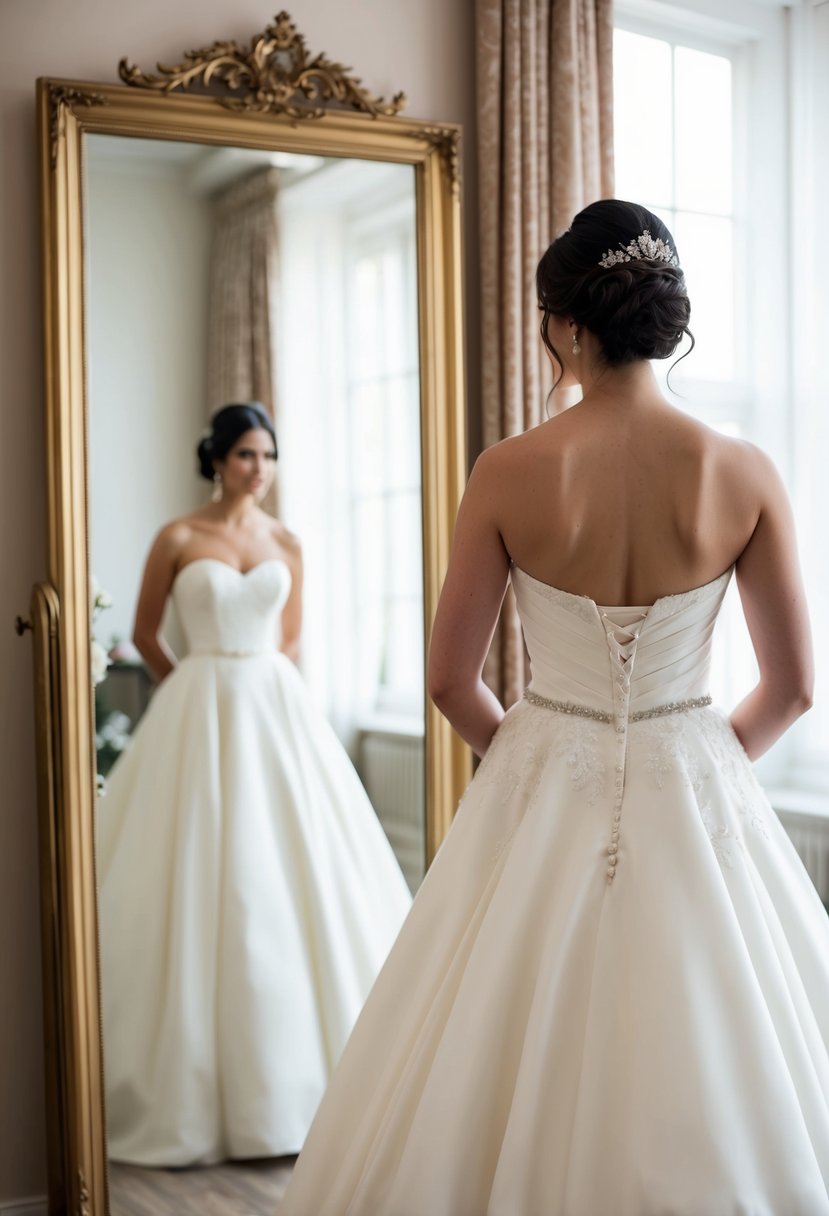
<point x="622" y="634"/>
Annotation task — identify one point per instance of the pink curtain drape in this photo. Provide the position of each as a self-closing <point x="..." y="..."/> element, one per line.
<point x="545" y="150"/>
<point x="243" y="292"/>
<point x="243" y="281"/>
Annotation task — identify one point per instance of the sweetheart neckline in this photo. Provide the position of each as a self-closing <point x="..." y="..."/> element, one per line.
<point x="648" y="608"/>
<point x="217" y="561"/>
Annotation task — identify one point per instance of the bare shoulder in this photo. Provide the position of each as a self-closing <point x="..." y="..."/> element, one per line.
<point x="172" y="538"/>
<point x="287" y="540"/>
<point x="498" y="463"/>
<point x="747" y="467"/>
<point x="734" y="464"/>
<point x="754" y="464"/>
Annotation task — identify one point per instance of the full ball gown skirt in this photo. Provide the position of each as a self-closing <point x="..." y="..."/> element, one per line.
<point x="247" y="893"/>
<point x="611" y="996"/>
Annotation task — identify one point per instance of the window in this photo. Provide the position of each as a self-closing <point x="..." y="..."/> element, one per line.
<point x="702" y="106"/>
<point x="674" y="124"/>
<point x="383" y="389"/>
<point x="350" y="479"/>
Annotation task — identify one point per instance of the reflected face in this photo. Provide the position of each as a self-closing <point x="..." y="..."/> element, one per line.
<point x="249" y="466"/>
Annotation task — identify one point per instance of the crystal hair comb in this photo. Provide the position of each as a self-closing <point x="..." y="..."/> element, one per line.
<point x="644" y="246"/>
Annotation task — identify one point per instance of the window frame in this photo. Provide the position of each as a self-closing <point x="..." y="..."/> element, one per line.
<point x="767" y="50"/>
<point x="369" y="233"/>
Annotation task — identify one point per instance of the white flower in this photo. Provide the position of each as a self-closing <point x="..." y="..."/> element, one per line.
<point x="98" y="597"/>
<point x="100" y="785"/>
<point x="115" y="732"/>
<point x="99" y="662"/>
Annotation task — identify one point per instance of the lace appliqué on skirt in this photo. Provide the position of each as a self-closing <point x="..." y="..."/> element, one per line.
<point x="669" y="750"/>
<point x="735" y="768"/>
<point x="513" y="763"/>
<point x="519" y="754"/>
<point x="579" y="746"/>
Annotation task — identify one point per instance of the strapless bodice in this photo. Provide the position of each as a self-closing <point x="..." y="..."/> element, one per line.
<point x="619" y="662"/>
<point x="226" y="612"/>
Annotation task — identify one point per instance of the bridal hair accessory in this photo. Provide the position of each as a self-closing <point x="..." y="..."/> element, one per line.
<point x="643" y="246"/>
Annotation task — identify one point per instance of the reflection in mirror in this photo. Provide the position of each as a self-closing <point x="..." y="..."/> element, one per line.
<point x="249" y="883"/>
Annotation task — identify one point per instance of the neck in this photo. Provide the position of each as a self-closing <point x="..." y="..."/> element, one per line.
<point x="635" y="382"/>
<point x="235" y="511"/>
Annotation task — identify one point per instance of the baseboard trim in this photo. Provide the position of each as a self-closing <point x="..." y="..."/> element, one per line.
<point x="25" y="1207"/>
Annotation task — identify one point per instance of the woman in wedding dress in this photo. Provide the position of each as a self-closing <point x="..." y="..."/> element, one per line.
<point x="611" y="996"/>
<point x="248" y="894"/>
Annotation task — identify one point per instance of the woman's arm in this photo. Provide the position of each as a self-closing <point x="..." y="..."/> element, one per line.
<point x="159" y="573"/>
<point x="292" y="612"/>
<point x="774" y="602"/>
<point x="467" y="612"/>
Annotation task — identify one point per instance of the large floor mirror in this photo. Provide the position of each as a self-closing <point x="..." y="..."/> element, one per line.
<point x="228" y="853"/>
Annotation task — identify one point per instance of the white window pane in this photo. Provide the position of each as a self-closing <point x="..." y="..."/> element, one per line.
<point x="402" y="672"/>
<point x="405" y="566"/>
<point x="642" y="98"/>
<point x="396" y="345"/>
<point x="706" y="251"/>
<point x="368" y="548"/>
<point x="403" y="456"/>
<point x="366" y="312"/>
<point x="368" y="438"/>
<point x="703" y="131"/>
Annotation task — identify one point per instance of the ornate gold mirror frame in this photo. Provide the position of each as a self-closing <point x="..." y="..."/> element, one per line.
<point x="276" y="98"/>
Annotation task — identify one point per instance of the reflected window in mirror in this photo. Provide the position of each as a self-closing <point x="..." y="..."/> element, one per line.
<point x="349" y="353"/>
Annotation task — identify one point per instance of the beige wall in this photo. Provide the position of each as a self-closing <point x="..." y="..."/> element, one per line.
<point x="425" y="48"/>
<point x="158" y="402"/>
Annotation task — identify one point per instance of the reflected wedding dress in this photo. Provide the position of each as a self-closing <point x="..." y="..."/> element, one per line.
<point x="248" y="895"/>
<point x="611" y="997"/>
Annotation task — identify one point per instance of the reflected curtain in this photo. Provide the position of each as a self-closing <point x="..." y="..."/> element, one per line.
<point x="243" y="292"/>
<point x="545" y="150"/>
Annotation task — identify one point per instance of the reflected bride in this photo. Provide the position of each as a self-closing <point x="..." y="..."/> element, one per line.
<point x="248" y="895"/>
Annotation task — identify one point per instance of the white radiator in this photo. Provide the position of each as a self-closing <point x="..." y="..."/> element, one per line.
<point x="391" y="766"/>
<point x="809" y="833"/>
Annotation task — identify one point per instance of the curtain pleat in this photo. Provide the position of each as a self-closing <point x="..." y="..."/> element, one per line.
<point x="243" y="292"/>
<point x="545" y="150"/>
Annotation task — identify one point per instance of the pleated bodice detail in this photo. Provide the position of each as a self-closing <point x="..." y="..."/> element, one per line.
<point x="618" y="661"/>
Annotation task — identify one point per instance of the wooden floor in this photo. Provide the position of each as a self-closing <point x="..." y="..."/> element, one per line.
<point x="235" y="1188"/>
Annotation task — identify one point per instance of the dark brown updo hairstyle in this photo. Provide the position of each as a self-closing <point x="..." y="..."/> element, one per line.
<point x="638" y="309"/>
<point x="227" y="426"/>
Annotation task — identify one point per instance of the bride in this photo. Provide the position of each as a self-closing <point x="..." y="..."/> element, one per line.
<point x="611" y="996"/>
<point x="248" y="895"/>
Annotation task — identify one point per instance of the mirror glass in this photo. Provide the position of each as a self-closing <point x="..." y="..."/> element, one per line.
<point x="260" y="821"/>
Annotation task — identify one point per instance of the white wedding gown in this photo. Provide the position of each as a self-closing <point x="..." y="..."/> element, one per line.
<point x="611" y="997"/>
<point x="248" y="894"/>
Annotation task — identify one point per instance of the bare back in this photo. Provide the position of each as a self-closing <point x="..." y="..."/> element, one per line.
<point x="626" y="504"/>
<point x="625" y="501"/>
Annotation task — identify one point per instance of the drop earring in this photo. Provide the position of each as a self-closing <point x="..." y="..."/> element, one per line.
<point x="576" y="347"/>
<point x="217" y="488"/>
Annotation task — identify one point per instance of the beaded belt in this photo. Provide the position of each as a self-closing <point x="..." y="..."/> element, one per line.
<point x="600" y="715"/>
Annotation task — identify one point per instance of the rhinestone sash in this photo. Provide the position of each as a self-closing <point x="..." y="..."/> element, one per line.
<point x="600" y="715"/>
